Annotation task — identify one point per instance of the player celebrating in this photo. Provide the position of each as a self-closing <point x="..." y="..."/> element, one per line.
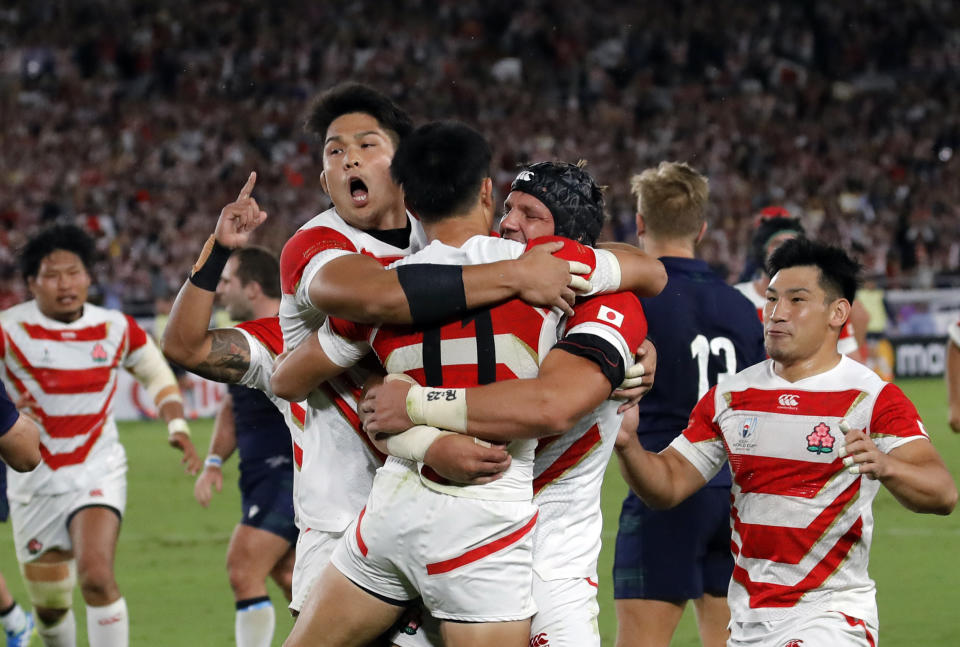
<point x="262" y="543"/>
<point x="443" y="169"/>
<point x="664" y="558"/>
<point x="568" y="469"/>
<point x="61" y="356"/>
<point x="810" y="436"/>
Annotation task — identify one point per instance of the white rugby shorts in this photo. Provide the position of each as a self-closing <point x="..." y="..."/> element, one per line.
<point x="469" y="559"/>
<point x="567" y="613"/>
<point x="41" y="524"/>
<point x="313" y="551"/>
<point x="832" y="628"/>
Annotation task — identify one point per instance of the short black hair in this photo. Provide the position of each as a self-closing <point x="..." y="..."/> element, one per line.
<point x="839" y="274"/>
<point x="441" y="166"/>
<point x="258" y="264"/>
<point x="346" y="98"/>
<point x="69" y="238"/>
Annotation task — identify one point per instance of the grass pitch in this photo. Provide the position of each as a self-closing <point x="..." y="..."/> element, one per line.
<point x="171" y="556"/>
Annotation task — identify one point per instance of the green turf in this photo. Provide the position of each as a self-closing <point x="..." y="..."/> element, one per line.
<point x="170" y="562"/>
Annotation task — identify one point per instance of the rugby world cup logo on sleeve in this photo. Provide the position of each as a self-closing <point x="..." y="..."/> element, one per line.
<point x="821" y="440"/>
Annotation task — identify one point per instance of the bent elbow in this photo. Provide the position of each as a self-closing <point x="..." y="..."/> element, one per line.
<point x="284" y="389"/>
<point x="949" y="503"/>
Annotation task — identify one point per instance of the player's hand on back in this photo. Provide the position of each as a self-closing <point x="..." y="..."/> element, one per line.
<point x="240" y="218"/>
<point x="627" y="434"/>
<point x="639" y="378"/>
<point x="549" y="281"/>
<point x="384" y="408"/>
<point x="467" y="460"/>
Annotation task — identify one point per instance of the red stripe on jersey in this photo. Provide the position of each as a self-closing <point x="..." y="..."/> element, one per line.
<point x="592" y="583"/>
<point x="383" y="260"/>
<point x="360" y="543"/>
<point x="135" y="334"/>
<point x="266" y="331"/>
<point x="789" y="545"/>
<point x="303" y="246"/>
<point x="67" y="381"/>
<point x="77" y="456"/>
<point x="573" y="455"/>
<point x="895" y="415"/>
<point x="857" y="622"/>
<point x="299" y="414"/>
<point x="90" y="333"/>
<point x="783" y="476"/>
<point x="794" y="402"/>
<point x="350" y="414"/>
<point x="768" y="594"/>
<point x="701" y="426"/>
<point x="480" y="552"/>
<point x="297" y="455"/>
<point x="3" y="343"/>
<point x="350" y="329"/>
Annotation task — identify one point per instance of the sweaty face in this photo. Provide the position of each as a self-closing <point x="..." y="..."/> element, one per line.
<point x="356" y="171"/>
<point x="60" y="286"/>
<point x="525" y="218"/>
<point x="797" y="315"/>
<point x="231" y="295"/>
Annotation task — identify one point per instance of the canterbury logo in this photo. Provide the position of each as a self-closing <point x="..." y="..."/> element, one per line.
<point x="788" y="400"/>
<point x="540" y="640"/>
<point x="524" y="176"/>
<point x="103" y="622"/>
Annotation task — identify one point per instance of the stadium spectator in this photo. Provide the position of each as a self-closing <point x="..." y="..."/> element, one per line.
<point x="62" y="355"/>
<point x="810" y="436"/>
<point x="843" y="112"/>
<point x="664" y="558"/>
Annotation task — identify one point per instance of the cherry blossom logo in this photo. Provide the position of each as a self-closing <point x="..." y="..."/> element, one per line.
<point x="820" y="441"/>
<point x="34" y="546"/>
<point x="99" y="354"/>
<point x="540" y="640"/>
<point x="795" y="642"/>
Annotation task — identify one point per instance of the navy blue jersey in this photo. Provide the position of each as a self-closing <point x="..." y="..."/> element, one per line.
<point x="8" y="412"/>
<point x="263" y="440"/>
<point x="702" y="328"/>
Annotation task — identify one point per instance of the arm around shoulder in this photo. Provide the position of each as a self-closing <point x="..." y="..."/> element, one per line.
<point x="20" y="446"/>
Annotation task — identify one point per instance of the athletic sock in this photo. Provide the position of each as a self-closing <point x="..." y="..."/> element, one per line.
<point x="255" y="622"/>
<point x="14" y="619"/>
<point x="62" y="634"/>
<point x="108" y="626"/>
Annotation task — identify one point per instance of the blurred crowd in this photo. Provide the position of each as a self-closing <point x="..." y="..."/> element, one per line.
<point x="141" y="119"/>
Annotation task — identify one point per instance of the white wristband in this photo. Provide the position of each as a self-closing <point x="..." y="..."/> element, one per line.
<point x="606" y="275"/>
<point x="177" y="425"/>
<point x="443" y="408"/>
<point x="414" y="442"/>
<point x="213" y="461"/>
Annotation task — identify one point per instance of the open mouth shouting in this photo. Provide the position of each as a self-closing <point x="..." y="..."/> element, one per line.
<point x="358" y="192"/>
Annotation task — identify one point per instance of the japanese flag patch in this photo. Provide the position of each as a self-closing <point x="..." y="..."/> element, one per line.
<point x="610" y="316"/>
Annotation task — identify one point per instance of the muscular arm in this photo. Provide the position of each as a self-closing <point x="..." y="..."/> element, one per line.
<point x="953" y="384"/>
<point x="661" y="480"/>
<point x="639" y="272"/>
<point x="20" y="446"/>
<point x="914" y="473"/>
<point x="302" y="370"/>
<point x="357" y="288"/>
<point x="567" y="388"/>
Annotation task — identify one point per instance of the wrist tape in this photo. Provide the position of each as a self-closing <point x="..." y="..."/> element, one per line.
<point x="206" y="271"/>
<point x="414" y="442"/>
<point x="177" y="425"/>
<point x="606" y="276"/>
<point x="443" y="408"/>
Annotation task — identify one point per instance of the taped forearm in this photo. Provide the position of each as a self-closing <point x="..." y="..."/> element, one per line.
<point x="153" y="372"/>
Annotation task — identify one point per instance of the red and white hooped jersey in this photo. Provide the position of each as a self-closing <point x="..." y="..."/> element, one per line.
<point x="846" y="342"/>
<point x="339" y="461"/>
<point x="500" y="343"/>
<point x="266" y="342"/>
<point x="70" y="370"/>
<point x="568" y="469"/>
<point x="802" y="523"/>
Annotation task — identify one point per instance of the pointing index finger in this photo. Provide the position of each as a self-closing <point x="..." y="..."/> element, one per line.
<point x="247" y="189"/>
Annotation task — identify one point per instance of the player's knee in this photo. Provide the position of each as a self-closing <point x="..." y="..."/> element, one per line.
<point x="97" y="583"/>
<point x="50" y="588"/>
